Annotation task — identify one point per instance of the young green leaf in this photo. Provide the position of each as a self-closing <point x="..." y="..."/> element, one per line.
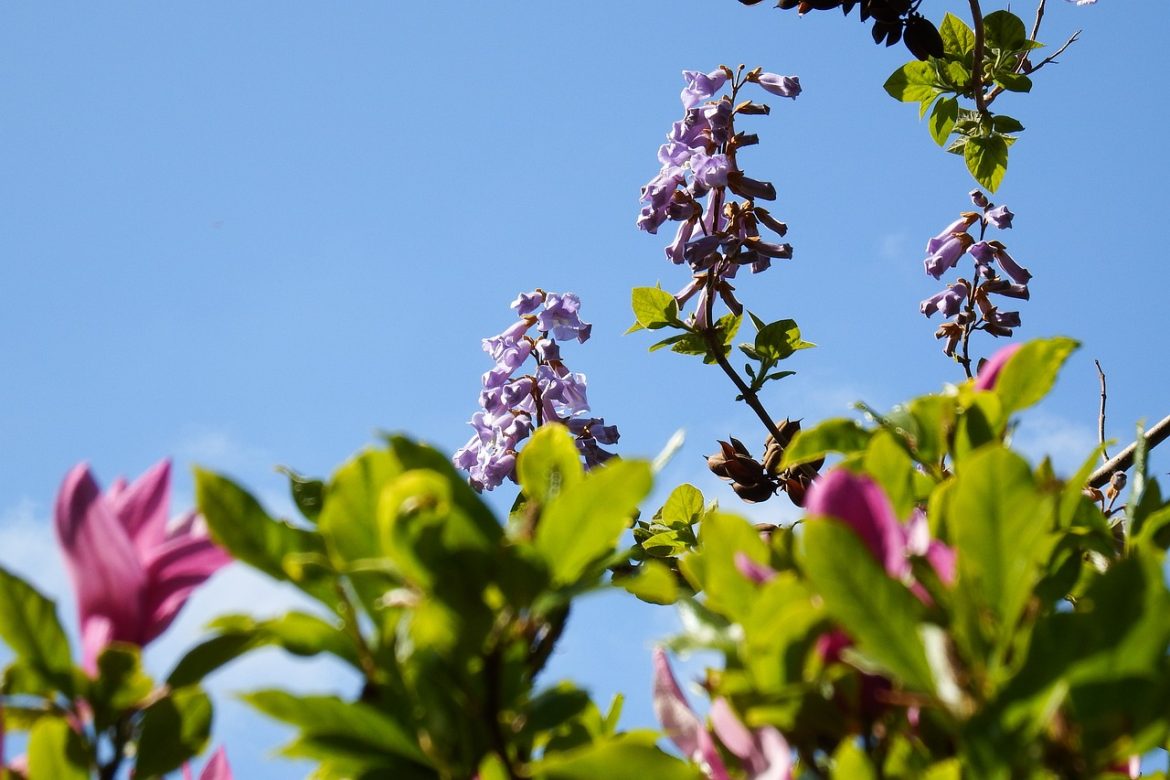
<point x="549" y="464"/>
<point x="174" y="729"/>
<point x="57" y="752"/>
<point x="987" y="159"/>
<point x="29" y="625"/>
<point x="942" y="119"/>
<point x="879" y="613"/>
<point x="654" y="308"/>
<point x="585" y="521"/>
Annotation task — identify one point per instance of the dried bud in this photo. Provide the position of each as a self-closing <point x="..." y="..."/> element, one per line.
<point x="746" y="187"/>
<point x="1116" y="485"/>
<point x="754" y="494"/>
<point x="749" y="108"/>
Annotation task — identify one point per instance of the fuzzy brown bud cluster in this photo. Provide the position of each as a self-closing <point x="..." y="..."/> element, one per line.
<point x="758" y="480"/>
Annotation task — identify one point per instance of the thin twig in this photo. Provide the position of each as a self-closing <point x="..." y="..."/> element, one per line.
<point x="1039" y="19"/>
<point x="1101" y="414"/>
<point x="1124" y="459"/>
<point x="1052" y="57"/>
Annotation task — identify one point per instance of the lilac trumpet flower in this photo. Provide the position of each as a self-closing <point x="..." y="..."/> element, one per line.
<point x="781" y="86"/>
<point x="700" y="86"/>
<point x="1017" y="272"/>
<point x="960" y="225"/>
<point x="1000" y="216"/>
<point x="131" y="572"/>
<point x="948" y="301"/>
<point x="947" y="254"/>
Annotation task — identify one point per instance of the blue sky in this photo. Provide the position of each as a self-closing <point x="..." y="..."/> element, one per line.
<point x="252" y="234"/>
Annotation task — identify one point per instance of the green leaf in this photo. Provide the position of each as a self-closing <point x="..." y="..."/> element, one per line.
<point x="958" y="38"/>
<point x="298" y="633"/>
<point x="684" y="506"/>
<point x="549" y="464"/>
<point x="654" y="308"/>
<point x="629" y="756"/>
<point x="1013" y="82"/>
<point x="887" y="462"/>
<point x="942" y="119"/>
<point x="120" y="685"/>
<point x="174" y="729"/>
<point x="1031" y="372"/>
<point x="1003" y="532"/>
<point x="1005" y="31"/>
<point x="57" y="752"/>
<point x="29" y="625"/>
<point x="987" y="159"/>
<point x="850" y="760"/>
<point x="654" y="582"/>
<point x="364" y="728"/>
<point x="778" y="340"/>
<point x="712" y="568"/>
<point x="670" y="341"/>
<point x="307" y="493"/>
<point x="878" y="612"/>
<point x="238" y="523"/>
<point x="838" y="434"/>
<point x="1002" y="123"/>
<point x="913" y="82"/>
<point x="585" y="521"/>
<point x="349" y="518"/>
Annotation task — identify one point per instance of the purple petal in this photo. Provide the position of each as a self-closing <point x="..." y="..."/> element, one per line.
<point x="777" y="756"/>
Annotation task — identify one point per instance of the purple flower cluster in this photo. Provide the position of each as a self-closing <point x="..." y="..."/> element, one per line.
<point x="969" y="302"/>
<point x="511" y="406"/>
<point x="699" y="161"/>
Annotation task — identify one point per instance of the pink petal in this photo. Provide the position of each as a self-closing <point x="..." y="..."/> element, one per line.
<point x="707" y="756"/>
<point x="142" y="507"/>
<point x="97" y="631"/>
<point x="730" y="730"/>
<point x="217" y="768"/>
<point x="102" y="563"/>
<point x="173" y="570"/>
<point x="829" y="646"/>
<point x="777" y="757"/>
<point x="942" y="560"/>
<point x="990" y="371"/>
<point x="756" y="572"/>
<point x="674" y="713"/>
<point x="861" y="504"/>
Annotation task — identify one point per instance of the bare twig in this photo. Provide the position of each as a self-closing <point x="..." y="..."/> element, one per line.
<point x="1052" y="57"/>
<point x="1124" y="459"/>
<point x="1101" y="414"/>
<point x="1039" y="19"/>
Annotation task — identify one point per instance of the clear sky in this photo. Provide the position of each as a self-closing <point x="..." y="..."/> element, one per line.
<point x="252" y="234"/>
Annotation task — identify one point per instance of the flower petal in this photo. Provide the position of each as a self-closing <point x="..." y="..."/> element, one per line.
<point x="173" y="570"/>
<point x="674" y="713"/>
<point x="142" y="506"/>
<point x="217" y="767"/>
<point x="861" y="504"/>
<point x="105" y="569"/>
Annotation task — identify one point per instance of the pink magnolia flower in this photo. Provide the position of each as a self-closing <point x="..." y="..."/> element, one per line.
<point x="763" y="753"/>
<point x="990" y="370"/>
<point x="861" y="504"/>
<point x="132" y="574"/>
<point x="216" y="768"/>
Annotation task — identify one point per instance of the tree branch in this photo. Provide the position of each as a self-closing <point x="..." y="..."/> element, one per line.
<point x="1124" y="459"/>
<point x="977" y="57"/>
<point x="1101" y="414"/>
